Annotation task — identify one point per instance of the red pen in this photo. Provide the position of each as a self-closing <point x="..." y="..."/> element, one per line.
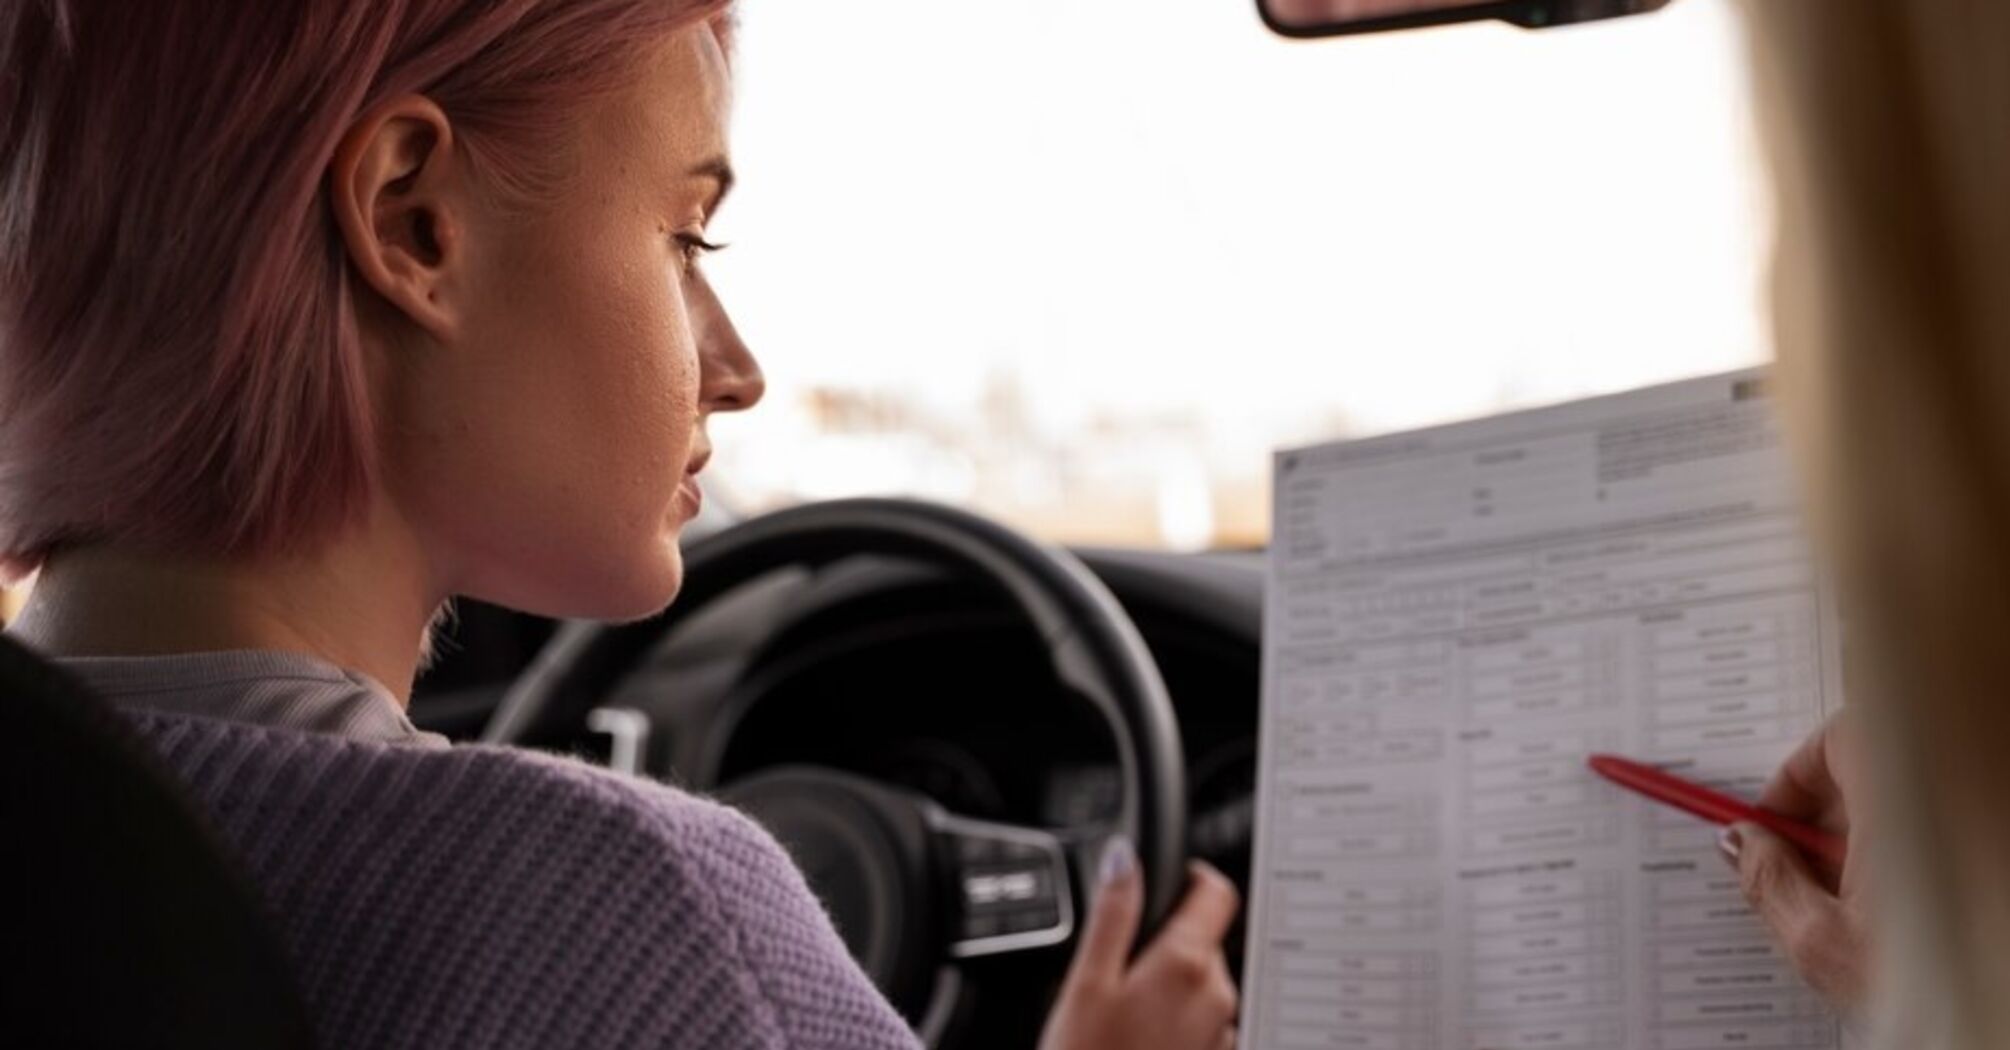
<point x="1717" y="807"/>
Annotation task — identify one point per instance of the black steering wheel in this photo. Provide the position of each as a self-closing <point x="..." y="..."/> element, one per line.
<point x="913" y="888"/>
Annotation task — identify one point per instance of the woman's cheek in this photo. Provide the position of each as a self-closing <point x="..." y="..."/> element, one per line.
<point x="660" y="398"/>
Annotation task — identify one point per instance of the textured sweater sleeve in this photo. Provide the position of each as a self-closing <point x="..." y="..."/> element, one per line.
<point x="821" y="999"/>
<point x="488" y="897"/>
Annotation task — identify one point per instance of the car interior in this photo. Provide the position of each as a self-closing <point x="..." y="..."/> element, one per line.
<point x="941" y="715"/>
<point x="824" y="652"/>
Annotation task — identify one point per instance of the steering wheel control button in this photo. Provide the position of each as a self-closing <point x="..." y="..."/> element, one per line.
<point x="986" y="889"/>
<point x="1012" y="884"/>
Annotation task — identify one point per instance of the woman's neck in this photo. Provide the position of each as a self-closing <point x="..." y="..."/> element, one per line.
<point x="356" y="603"/>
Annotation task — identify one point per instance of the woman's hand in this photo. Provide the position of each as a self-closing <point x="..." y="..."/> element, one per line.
<point x="1817" y="916"/>
<point x="1176" y="995"/>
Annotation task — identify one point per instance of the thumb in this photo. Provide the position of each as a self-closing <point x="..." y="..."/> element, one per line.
<point x="1777" y="881"/>
<point x="1105" y="950"/>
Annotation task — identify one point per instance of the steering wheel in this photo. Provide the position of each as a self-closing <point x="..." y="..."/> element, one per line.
<point x="914" y="888"/>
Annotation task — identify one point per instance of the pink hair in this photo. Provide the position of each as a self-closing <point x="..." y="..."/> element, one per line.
<point x="180" y="365"/>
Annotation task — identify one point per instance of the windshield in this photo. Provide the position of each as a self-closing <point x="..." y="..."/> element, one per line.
<point x="1083" y="266"/>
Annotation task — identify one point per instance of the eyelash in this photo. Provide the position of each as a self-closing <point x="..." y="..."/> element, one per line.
<point x="693" y="247"/>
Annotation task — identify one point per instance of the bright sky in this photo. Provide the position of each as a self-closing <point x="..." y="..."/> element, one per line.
<point x="1177" y="242"/>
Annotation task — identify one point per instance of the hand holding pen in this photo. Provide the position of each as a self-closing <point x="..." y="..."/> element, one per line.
<point x="1793" y="855"/>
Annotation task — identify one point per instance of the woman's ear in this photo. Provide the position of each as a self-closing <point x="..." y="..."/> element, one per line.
<point x="401" y="197"/>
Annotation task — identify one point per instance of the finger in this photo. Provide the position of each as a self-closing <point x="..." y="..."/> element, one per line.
<point x="1201" y="984"/>
<point x="1779" y="885"/>
<point x="1230" y="995"/>
<point x="1803" y="787"/>
<point x="1808" y="785"/>
<point x="1815" y="929"/>
<point x="1113" y="918"/>
<point x="1206" y="911"/>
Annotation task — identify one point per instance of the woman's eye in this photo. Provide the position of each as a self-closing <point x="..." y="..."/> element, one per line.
<point x="694" y="247"/>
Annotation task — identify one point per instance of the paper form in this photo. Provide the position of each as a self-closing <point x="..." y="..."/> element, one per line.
<point x="1455" y="618"/>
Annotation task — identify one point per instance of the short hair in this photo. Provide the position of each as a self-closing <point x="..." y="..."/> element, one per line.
<point x="180" y="365"/>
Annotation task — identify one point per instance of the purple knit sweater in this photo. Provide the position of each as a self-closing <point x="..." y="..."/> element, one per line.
<point x="488" y="897"/>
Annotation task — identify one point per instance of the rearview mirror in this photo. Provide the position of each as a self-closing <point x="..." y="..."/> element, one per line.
<point x="1308" y="18"/>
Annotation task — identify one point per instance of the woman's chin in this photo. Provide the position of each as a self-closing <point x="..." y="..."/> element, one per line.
<point x="618" y="591"/>
<point x="647" y="590"/>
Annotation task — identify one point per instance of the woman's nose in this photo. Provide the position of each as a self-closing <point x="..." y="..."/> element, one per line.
<point x="730" y="379"/>
<point x="733" y="382"/>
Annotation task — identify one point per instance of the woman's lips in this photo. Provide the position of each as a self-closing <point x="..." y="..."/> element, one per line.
<point x="694" y="496"/>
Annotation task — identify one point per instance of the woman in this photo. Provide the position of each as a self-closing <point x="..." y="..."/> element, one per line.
<point x="315" y="314"/>
<point x="1889" y="126"/>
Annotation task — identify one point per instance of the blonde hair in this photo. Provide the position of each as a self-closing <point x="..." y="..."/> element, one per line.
<point x="1889" y="128"/>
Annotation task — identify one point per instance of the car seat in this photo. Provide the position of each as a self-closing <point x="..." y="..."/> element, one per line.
<point x="129" y="925"/>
